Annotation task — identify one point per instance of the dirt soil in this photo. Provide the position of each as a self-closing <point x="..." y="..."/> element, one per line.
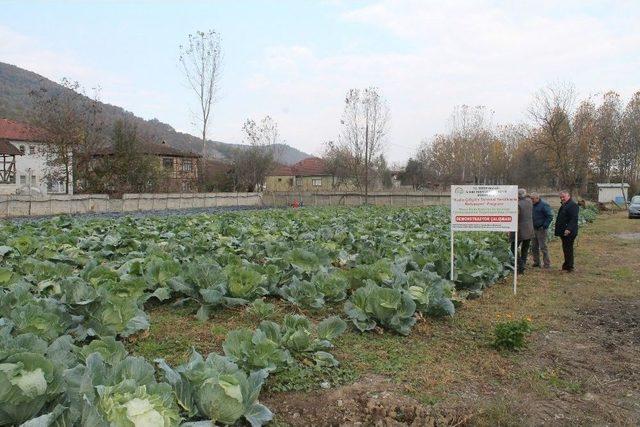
<point x="582" y="365"/>
<point x="629" y="236"/>
<point x="373" y="400"/>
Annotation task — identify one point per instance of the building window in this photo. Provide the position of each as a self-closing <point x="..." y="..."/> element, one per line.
<point x="316" y="182"/>
<point x="167" y="162"/>
<point x="33" y="180"/>
<point x="186" y="186"/>
<point x="23" y="179"/>
<point x="55" y="186"/>
<point x="32" y="149"/>
<point x="298" y="181"/>
<point x="21" y="148"/>
<point x="187" y="165"/>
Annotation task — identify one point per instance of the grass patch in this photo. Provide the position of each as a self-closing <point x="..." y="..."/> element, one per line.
<point x="384" y="354"/>
<point x="557" y="381"/>
<point x="307" y="378"/>
<point x="623" y="273"/>
<point x="497" y="412"/>
<point x="173" y="350"/>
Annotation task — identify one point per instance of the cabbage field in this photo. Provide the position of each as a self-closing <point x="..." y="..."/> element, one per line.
<point x="73" y="290"/>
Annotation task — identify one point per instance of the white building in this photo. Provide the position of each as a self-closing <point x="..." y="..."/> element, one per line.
<point x="31" y="169"/>
<point x="613" y="192"/>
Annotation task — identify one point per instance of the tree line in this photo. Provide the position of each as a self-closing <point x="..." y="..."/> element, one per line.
<point x="565" y="145"/>
<point x="77" y="129"/>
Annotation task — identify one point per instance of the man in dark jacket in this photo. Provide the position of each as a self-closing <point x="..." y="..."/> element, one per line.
<point x="567" y="227"/>
<point x="525" y="230"/>
<point x="542" y="217"/>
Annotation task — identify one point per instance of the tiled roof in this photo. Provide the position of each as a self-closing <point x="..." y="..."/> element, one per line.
<point x="8" y="148"/>
<point x="311" y="166"/>
<point x="150" y="148"/>
<point x="17" y="131"/>
<point x="282" y="170"/>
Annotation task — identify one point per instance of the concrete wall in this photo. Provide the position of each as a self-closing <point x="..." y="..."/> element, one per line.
<point x="15" y="206"/>
<point x="289" y="183"/>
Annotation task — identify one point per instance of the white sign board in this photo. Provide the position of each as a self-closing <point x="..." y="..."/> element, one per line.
<point x="484" y="208"/>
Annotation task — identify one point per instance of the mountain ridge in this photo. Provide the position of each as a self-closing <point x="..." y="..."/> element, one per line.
<point x="16" y="83"/>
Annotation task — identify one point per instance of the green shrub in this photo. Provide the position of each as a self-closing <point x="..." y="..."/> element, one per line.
<point x="511" y="335"/>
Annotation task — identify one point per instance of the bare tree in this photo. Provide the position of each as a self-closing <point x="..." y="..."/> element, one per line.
<point x="365" y="123"/>
<point x="72" y="126"/>
<point x="562" y="149"/>
<point x="471" y="137"/>
<point x="630" y="154"/>
<point x="551" y="110"/>
<point x="339" y="162"/>
<point x="608" y="122"/>
<point x="252" y="164"/>
<point x="584" y="144"/>
<point x="201" y="60"/>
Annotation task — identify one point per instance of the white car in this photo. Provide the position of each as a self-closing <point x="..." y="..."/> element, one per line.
<point x="634" y="207"/>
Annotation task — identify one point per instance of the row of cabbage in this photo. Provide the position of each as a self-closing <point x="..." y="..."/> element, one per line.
<point x="62" y="382"/>
<point x="69" y="287"/>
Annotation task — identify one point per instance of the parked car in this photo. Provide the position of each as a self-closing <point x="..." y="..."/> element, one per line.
<point x="634" y="207"/>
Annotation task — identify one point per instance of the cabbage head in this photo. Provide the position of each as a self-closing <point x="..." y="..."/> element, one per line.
<point x="391" y="308"/>
<point x="128" y="405"/>
<point x="220" y="390"/>
<point x="245" y="282"/>
<point x="28" y="382"/>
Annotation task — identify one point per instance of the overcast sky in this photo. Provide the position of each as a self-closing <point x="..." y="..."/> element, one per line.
<point x="294" y="59"/>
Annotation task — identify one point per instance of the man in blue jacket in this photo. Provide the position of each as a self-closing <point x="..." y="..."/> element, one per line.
<point x="542" y="217"/>
<point x="567" y="228"/>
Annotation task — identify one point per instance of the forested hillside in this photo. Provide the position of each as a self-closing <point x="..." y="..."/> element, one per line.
<point x="15" y="104"/>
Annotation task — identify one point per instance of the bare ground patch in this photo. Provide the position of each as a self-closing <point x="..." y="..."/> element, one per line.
<point x="373" y="400"/>
<point x="628" y="236"/>
<point x="588" y="372"/>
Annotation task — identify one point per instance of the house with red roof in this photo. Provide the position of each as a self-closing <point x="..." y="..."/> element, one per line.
<point x="310" y="174"/>
<point x="24" y="167"/>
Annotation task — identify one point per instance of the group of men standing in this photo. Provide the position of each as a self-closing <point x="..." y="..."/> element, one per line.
<point x="534" y="218"/>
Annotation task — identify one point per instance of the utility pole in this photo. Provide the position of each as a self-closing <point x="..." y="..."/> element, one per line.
<point x="366" y="162"/>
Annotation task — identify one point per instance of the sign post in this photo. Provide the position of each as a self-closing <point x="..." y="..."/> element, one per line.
<point x="485" y="208"/>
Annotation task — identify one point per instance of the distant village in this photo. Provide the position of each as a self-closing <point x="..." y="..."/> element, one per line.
<point x="26" y="169"/>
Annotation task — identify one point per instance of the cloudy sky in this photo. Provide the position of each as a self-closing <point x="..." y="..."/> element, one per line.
<point x="294" y="59"/>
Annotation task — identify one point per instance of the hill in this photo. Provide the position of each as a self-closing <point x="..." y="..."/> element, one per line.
<point x="15" y="104"/>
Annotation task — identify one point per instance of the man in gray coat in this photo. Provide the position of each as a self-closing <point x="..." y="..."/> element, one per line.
<point x="525" y="230"/>
<point x="542" y="217"/>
